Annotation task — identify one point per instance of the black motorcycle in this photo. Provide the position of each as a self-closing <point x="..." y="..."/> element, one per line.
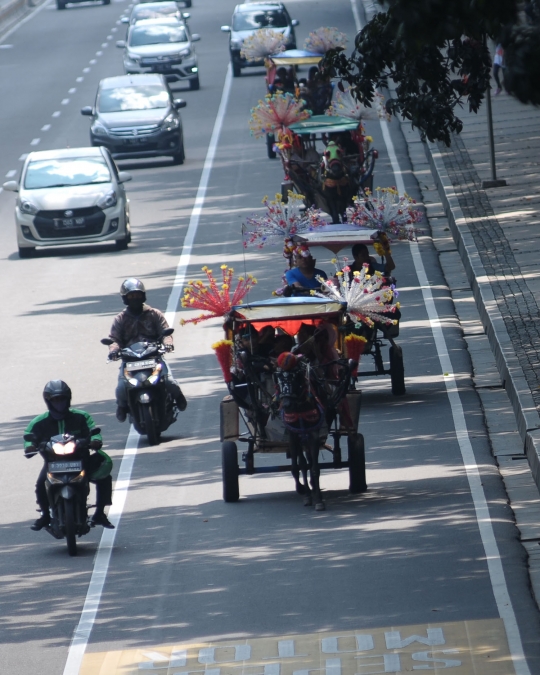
<point x="151" y="408"/>
<point x="67" y="485"/>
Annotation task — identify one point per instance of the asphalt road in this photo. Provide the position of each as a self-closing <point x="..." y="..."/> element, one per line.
<point x="186" y="567"/>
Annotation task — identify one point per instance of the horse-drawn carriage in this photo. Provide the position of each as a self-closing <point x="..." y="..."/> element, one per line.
<point x="329" y="160"/>
<point x="292" y="387"/>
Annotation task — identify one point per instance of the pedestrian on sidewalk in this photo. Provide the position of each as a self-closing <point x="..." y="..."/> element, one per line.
<point x="498" y="65"/>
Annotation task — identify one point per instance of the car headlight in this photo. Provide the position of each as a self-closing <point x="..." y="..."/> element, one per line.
<point x="98" y="129"/>
<point x="185" y="52"/>
<point x="108" y="200"/>
<point x="28" y="208"/>
<point x="132" y="58"/>
<point x="170" y="122"/>
<point x="236" y="44"/>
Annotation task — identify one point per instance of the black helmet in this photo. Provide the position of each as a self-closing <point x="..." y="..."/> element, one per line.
<point x="56" y="389"/>
<point x="131" y="285"/>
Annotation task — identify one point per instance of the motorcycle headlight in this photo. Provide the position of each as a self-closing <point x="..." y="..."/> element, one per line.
<point x="64" y="448"/>
<point x="28" y="208"/>
<point x="108" y="200"/>
<point x="132" y="57"/>
<point x="98" y="129"/>
<point x="170" y="122"/>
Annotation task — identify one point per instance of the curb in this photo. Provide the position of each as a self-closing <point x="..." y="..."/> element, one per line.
<point x="11" y="8"/>
<point x="512" y="376"/>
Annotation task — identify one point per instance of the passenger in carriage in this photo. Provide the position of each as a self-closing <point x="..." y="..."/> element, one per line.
<point x="360" y="253"/>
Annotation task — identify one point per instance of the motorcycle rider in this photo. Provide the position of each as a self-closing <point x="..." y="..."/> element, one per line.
<point x="140" y="323"/>
<point x="62" y="419"/>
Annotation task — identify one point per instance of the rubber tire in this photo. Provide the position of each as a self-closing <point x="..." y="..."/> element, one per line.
<point x="270" y="140"/>
<point x="397" y="371"/>
<point x="180" y="156"/>
<point x="106" y="2"/>
<point x="26" y="252"/>
<point x="195" y="84"/>
<point x="357" y="464"/>
<point x="236" y="70"/>
<point x="122" y="244"/>
<point x="60" y="4"/>
<point x="229" y="466"/>
<point x="187" y="3"/>
<point x="149" y="427"/>
<point x="69" y="526"/>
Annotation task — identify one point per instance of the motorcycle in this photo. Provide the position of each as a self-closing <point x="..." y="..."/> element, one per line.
<point x="151" y="408"/>
<point x="67" y="485"/>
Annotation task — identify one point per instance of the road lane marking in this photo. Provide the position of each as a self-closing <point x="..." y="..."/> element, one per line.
<point x="56" y="113"/>
<point x="72" y="90"/>
<point x="79" y="79"/>
<point x="483" y="517"/>
<point x="23" y="157"/>
<point x="25" y="19"/>
<point x="86" y="70"/>
<point x="35" y="141"/>
<point x="45" y="127"/>
<point x="99" y="574"/>
<point x="64" y="101"/>
<point x="92" y="61"/>
<point x="11" y="173"/>
<point x="465" y="647"/>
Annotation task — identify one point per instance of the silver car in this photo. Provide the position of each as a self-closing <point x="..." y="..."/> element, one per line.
<point x="156" y="10"/>
<point x="162" y="46"/>
<point x="72" y="196"/>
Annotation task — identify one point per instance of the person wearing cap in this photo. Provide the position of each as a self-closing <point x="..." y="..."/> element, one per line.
<point x="303" y="277"/>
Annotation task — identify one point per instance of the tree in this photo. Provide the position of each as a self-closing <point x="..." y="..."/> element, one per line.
<point x="436" y="53"/>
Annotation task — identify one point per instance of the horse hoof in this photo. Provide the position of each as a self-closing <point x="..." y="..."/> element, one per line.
<point x="308" y="501"/>
<point x="320" y="506"/>
<point x="300" y="489"/>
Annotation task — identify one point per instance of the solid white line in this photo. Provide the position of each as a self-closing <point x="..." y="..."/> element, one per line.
<point x="483" y="517"/>
<point x="183" y="263"/>
<point x="83" y="631"/>
<point x="23" y="21"/>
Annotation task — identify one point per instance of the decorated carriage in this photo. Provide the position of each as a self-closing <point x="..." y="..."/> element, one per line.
<point x="290" y="383"/>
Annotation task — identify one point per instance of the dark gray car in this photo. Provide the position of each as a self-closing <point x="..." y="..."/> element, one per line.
<point x="136" y="116"/>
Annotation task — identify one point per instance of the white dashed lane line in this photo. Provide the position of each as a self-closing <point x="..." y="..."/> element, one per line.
<point x="35" y="141"/>
<point x="79" y="79"/>
<point x="11" y="173"/>
<point x="65" y="101"/>
<point x="72" y="90"/>
<point x="45" y="127"/>
<point x="23" y="157"/>
<point x="56" y="113"/>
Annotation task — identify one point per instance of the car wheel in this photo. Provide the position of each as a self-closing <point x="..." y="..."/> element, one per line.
<point x="195" y="84"/>
<point x="122" y="244"/>
<point x="236" y="70"/>
<point x="106" y="2"/>
<point x="187" y="3"/>
<point x="180" y="156"/>
<point x="27" y="252"/>
<point x="60" y="4"/>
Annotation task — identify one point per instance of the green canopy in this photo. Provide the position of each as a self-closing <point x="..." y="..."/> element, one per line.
<point x="324" y="124"/>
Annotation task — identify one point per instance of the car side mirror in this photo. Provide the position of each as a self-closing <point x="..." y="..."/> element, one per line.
<point x="225" y="29"/>
<point x="87" y="110"/>
<point x="124" y="177"/>
<point x="124" y="19"/>
<point x="121" y="44"/>
<point x="295" y="22"/>
<point x="195" y="37"/>
<point x="11" y="186"/>
<point x="179" y="103"/>
<point x="186" y="15"/>
<point x="107" y="341"/>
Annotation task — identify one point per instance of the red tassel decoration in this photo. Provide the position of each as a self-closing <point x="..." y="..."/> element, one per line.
<point x="355" y="345"/>
<point x="223" y="350"/>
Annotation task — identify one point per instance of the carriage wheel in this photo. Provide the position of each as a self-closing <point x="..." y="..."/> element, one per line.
<point x="397" y="371"/>
<point x="229" y="465"/>
<point x="357" y="463"/>
<point x="270" y="140"/>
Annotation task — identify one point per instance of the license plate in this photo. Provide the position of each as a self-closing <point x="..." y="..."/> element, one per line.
<point x="136" y="141"/>
<point x="140" y="365"/>
<point x="65" y="467"/>
<point x="68" y="223"/>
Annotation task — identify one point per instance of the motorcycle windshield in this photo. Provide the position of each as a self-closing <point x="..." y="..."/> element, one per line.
<point x="139" y="350"/>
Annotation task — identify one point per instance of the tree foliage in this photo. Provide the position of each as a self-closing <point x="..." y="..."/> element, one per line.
<point x="436" y="52"/>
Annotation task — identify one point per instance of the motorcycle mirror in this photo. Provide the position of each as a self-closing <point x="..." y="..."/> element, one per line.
<point x="106" y="341"/>
<point x="95" y="431"/>
<point x="167" y="332"/>
<point x="29" y="437"/>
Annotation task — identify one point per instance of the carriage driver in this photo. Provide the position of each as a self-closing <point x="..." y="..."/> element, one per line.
<point x="303" y="277"/>
<point x="361" y="255"/>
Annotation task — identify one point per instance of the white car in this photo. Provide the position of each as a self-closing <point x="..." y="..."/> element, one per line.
<point x="73" y="196"/>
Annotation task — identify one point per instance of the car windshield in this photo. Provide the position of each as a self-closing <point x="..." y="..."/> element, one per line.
<point x="156" y="35"/>
<point x="143" y="12"/>
<point x="271" y="18"/>
<point x="66" y="172"/>
<point x="142" y="97"/>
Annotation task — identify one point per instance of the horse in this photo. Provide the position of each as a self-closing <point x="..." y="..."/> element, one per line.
<point x="335" y="180"/>
<point x="302" y="415"/>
